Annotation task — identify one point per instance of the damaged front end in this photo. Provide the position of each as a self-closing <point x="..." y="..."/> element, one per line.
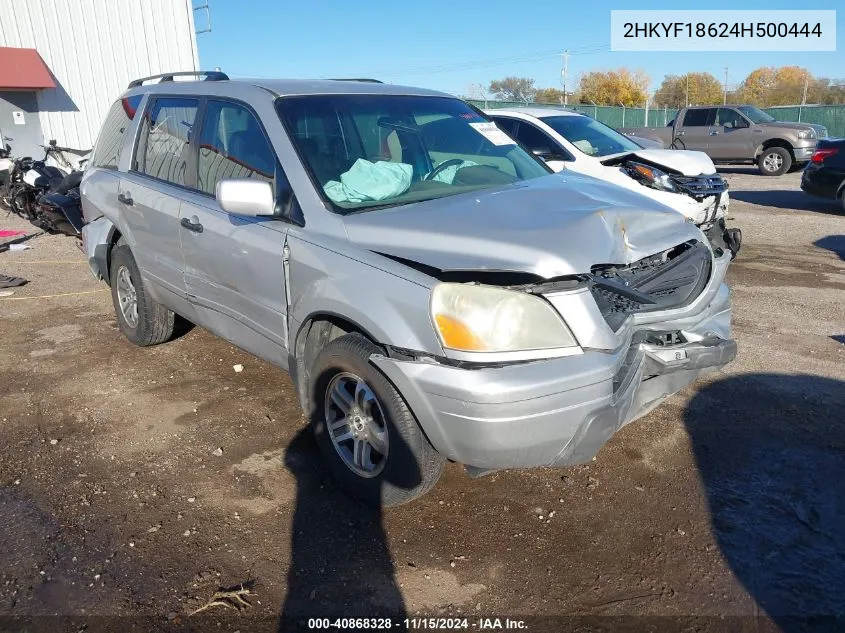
<point x="708" y="191"/>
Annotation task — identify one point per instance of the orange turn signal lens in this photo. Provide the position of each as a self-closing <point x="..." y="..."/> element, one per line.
<point x="457" y="335"/>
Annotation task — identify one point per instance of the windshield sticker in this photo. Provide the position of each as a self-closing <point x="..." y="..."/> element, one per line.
<point x="493" y="134"/>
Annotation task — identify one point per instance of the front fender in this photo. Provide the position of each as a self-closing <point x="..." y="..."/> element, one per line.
<point x="392" y="309"/>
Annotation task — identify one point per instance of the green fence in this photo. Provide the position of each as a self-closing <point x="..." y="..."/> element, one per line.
<point x="832" y="117"/>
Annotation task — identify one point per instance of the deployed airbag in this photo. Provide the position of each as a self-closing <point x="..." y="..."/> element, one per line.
<point x="367" y="181"/>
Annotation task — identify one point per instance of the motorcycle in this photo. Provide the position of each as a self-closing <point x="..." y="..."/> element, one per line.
<point x="45" y="195"/>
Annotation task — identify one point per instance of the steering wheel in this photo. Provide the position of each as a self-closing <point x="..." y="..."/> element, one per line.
<point x="442" y="166"/>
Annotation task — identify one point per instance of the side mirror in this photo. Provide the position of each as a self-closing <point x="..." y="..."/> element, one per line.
<point x="52" y="142"/>
<point x="542" y="152"/>
<point x="741" y="123"/>
<point x="246" y="196"/>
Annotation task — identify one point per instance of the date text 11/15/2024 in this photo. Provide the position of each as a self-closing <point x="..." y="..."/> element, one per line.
<point x="418" y="624"/>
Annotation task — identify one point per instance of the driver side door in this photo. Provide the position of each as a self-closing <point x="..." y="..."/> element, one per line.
<point x="730" y="136"/>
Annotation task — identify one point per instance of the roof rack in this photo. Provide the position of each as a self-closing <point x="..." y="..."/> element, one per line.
<point x="362" y="79"/>
<point x="210" y="75"/>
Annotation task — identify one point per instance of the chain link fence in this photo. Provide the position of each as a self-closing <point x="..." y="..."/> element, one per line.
<point x="832" y="116"/>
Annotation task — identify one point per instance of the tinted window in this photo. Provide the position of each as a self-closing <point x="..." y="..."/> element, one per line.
<point x="699" y="117"/>
<point x="110" y="141"/>
<point x="508" y="126"/>
<point x="534" y="138"/>
<point x="164" y="147"/>
<point x="232" y="145"/>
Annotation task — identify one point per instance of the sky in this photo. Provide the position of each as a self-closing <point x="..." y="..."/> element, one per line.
<point x="448" y="44"/>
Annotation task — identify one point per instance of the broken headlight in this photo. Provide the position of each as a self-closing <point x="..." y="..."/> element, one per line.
<point x="476" y="318"/>
<point x="650" y="176"/>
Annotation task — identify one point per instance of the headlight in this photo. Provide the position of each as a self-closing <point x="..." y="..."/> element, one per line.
<point x="805" y="134"/>
<point x="474" y="318"/>
<point x="650" y="176"/>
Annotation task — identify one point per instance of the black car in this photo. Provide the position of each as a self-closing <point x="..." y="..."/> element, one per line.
<point x="825" y="174"/>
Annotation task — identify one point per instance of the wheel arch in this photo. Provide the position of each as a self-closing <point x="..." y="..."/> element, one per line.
<point x="318" y="329"/>
<point x="775" y="142"/>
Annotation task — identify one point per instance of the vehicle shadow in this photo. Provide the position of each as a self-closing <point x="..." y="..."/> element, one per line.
<point x="770" y="452"/>
<point x="833" y="243"/>
<point x="789" y="199"/>
<point x="340" y="563"/>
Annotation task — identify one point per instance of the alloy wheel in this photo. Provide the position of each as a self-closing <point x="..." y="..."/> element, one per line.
<point x="127" y="296"/>
<point x="356" y="424"/>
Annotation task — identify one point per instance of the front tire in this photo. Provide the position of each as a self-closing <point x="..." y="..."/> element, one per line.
<point x="369" y="439"/>
<point x="142" y="320"/>
<point x="774" y="161"/>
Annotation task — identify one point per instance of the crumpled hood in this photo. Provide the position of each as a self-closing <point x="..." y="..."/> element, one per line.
<point x="556" y="225"/>
<point x="686" y="162"/>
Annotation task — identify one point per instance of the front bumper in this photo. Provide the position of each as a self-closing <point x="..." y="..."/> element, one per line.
<point x="803" y="154"/>
<point x="561" y="411"/>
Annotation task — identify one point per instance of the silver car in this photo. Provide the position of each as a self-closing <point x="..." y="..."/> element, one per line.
<point x="434" y="292"/>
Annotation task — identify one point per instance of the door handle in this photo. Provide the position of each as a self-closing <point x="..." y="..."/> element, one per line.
<point x="125" y="199"/>
<point x="196" y="227"/>
<point x="714" y="132"/>
<point x="681" y="133"/>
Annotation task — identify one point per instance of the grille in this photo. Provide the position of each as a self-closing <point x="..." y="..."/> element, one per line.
<point x="664" y="281"/>
<point x="700" y="187"/>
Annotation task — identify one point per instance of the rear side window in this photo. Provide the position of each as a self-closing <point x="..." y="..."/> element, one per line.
<point x="110" y="141"/>
<point x="700" y="117"/>
<point x="232" y="145"/>
<point x="164" y="147"/>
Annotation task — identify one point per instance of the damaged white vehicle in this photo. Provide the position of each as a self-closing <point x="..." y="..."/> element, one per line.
<point x="436" y="292"/>
<point x="683" y="180"/>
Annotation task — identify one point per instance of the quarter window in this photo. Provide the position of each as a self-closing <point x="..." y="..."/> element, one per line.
<point x="164" y="148"/>
<point x="110" y="141"/>
<point x="232" y="145"/>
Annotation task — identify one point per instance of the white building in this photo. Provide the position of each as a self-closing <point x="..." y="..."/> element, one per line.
<point x="64" y="62"/>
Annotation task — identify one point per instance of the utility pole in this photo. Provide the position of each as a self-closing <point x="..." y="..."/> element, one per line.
<point x="806" y="85"/>
<point x="687" y="88"/>
<point x="563" y="74"/>
<point x="725" y="99"/>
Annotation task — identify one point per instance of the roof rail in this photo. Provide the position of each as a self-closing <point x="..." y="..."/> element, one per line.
<point x="362" y="79"/>
<point x="210" y="75"/>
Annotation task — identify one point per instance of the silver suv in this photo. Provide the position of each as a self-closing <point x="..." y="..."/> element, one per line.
<point x="435" y="293"/>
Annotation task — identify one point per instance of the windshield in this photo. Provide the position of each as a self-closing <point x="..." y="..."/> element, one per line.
<point x="755" y="114"/>
<point x="373" y="151"/>
<point x="589" y="136"/>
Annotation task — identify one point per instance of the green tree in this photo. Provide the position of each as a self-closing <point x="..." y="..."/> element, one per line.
<point x="614" y="87"/>
<point x="678" y="91"/>
<point x="513" y="89"/>
<point x="548" y="95"/>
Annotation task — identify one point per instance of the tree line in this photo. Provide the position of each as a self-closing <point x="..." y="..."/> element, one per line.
<point x="766" y="86"/>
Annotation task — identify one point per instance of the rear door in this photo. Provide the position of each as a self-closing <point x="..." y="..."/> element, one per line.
<point x="694" y="132"/>
<point x="730" y="136"/>
<point x="152" y="191"/>
<point x="100" y="183"/>
<point x="234" y="265"/>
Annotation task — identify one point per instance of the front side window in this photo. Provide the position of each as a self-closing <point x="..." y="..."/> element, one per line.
<point x="366" y="151"/>
<point x="232" y="145"/>
<point x="756" y="114"/>
<point x="110" y="141"/>
<point x="164" y="147"/>
<point x="729" y="118"/>
<point x="699" y="117"/>
<point x="589" y="136"/>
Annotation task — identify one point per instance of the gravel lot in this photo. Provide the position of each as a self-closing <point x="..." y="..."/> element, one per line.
<point x="726" y="501"/>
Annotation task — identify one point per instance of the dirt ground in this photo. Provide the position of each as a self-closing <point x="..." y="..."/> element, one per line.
<point x="724" y="509"/>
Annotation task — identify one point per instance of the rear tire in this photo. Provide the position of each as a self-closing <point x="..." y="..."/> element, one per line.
<point x="147" y="323"/>
<point x="410" y="467"/>
<point x="774" y="161"/>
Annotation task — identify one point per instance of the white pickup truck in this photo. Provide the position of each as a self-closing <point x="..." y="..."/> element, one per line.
<point x="683" y="180"/>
